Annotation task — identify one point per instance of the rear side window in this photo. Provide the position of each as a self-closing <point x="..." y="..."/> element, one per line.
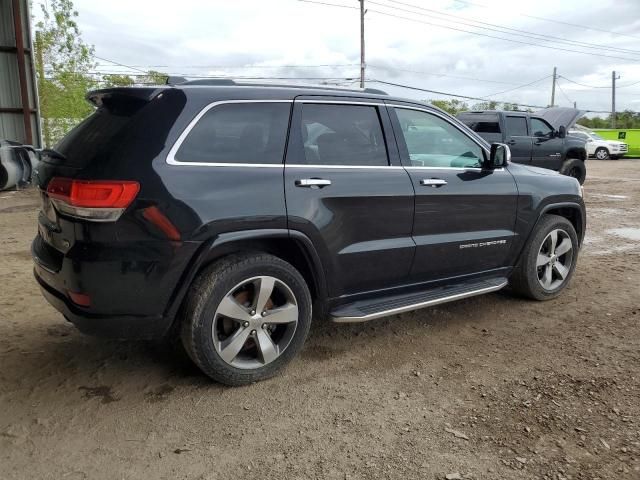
<point x="238" y="133"/>
<point x="483" y="123"/>
<point x="342" y="135"/>
<point x="517" y="126"/>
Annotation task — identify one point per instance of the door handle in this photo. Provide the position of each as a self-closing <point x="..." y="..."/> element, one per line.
<point x="511" y="142"/>
<point x="433" y="182"/>
<point x="313" y="182"/>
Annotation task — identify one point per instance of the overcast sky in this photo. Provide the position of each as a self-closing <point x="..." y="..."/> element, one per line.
<point x="205" y="37"/>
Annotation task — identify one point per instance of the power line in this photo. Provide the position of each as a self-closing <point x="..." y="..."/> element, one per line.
<point x="584" y="27"/>
<point x="448" y="94"/>
<point x="437" y="74"/>
<point x="563" y="93"/>
<point x="555" y="48"/>
<point x="243" y="66"/>
<point x="521" y="86"/>
<point x="501" y="38"/>
<point x="329" y="4"/>
<point x="120" y="64"/>
<point x="500" y="28"/>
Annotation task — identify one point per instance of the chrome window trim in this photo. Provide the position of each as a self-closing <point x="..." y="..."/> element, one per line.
<point x="171" y="156"/>
<point x="361" y="167"/>
<point x="171" y="160"/>
<point x="353" y="167"/>
<point x="341" y="102"/>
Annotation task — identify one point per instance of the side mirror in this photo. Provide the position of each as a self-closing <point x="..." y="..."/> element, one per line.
<point x="500" y="155"/>
<point x="562" y="131"/>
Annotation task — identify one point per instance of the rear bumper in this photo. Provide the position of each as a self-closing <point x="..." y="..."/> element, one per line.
<point x="130" y="286"/>
<point x="117" y="326"/>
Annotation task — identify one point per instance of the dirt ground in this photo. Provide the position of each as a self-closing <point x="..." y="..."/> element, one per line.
<point x="493" y="387"/>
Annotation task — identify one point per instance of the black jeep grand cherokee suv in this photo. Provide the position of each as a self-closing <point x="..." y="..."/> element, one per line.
<point x="228" y="214"/>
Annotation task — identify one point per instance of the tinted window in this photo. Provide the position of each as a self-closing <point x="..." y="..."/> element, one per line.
<point x="342" y="135"/>
<point x="433" y="142"/>
<point x="238" y="133"/>
<point x="540" y="128"/>
<point x="517" y="126"/>
<point x="481" y="123"/>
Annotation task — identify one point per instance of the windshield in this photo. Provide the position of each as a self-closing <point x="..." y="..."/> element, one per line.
<point x="596" y="136"/>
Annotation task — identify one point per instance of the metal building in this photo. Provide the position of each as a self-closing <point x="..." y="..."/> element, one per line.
<point x="19" y="116"/>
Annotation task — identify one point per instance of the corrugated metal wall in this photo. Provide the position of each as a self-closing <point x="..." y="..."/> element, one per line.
<point x="12" y="121"/>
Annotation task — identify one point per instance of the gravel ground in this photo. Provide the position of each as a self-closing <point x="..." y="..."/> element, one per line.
<point x="492" y="387"/>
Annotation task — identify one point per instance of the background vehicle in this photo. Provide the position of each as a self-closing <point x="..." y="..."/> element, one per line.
<point x="227" y="214"/>
<point x="537" y="139"/>
<point x="599" y="147"/>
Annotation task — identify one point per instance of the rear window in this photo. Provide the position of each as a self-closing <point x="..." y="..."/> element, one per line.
<point x="481" y="123"/>
<point x="238" y="133"/>
<point x="130" y="124"/>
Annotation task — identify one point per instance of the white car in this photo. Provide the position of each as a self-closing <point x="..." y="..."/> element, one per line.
<point x="599" y="147"/>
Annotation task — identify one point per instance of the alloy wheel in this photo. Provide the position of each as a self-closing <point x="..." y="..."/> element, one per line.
<point x="602" y="154"/>
<point x="555" y="258"/>
<point x="255" y="322"/>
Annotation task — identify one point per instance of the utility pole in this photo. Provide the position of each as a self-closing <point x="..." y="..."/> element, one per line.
<point x="362" y="64"/>
<point x="553" y="86"/>
<point x="613" y="98"/>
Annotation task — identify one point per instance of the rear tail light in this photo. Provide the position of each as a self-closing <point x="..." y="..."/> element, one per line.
<point x="94" y="200"/>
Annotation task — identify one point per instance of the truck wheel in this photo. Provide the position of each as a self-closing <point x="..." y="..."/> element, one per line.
<point x="602" y="153"/>
<point x="548" y="259"/>
<point x="574" y="167"/>
<point x="246" y="317"/>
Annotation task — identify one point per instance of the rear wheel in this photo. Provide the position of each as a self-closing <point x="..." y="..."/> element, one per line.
<point x="574" y="167"/>
<point x="602" y="153"/>
<point x="246" y="318"/>
<point x="548" y="260"/>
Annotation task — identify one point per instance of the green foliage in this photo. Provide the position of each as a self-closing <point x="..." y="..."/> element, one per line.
<point x="64" y="63"/>
<point x="117" y="80"/>
<point x="626" y="119"/>
<point x="451" y="106"/>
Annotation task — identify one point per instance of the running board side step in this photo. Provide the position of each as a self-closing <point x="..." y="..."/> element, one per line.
<point x="365" y="310"/>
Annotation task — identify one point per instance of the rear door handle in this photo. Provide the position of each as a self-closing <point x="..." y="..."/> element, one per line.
<point x="313" y="182"/>
<point x="433" y="182"/>
<point x="511" y="142"/>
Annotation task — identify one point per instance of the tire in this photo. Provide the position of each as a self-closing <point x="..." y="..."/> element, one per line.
<point x="526" y="279"/>
<point x="602" y="153"/>
<point x="574" y="167"/>
<point x="234" y="285"/>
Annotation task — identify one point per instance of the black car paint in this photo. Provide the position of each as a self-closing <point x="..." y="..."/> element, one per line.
<point x="545" y="152"/>
<point x="361" y="237"/>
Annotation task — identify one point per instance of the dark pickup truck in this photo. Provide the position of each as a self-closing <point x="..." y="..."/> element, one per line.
<point x="539" y="139"/>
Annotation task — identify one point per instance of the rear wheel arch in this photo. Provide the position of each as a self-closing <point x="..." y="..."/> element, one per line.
<point x="292" y="247"/>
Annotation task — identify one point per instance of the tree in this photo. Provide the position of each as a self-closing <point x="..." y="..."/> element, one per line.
<point x="451" y="106"/>
<point x="64" y="63"/>
<point x="117" y="80"/>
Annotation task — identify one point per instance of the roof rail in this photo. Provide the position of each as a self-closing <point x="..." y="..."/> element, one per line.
<point x="220" y="81"/>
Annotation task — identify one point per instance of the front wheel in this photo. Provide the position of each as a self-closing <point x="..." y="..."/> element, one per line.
<point x="246" y="318"/>
<point x="602" y="153"/>
<point x="574" y="167"/>
<point x="548" y="260"/>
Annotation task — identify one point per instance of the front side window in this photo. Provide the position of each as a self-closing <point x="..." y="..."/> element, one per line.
<point x="433" y="142"/>
<point x="349" y="135"/>
<point x="517" y="126"/>
<point x="540" y="128"/>
<point x="238" y="133"/>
